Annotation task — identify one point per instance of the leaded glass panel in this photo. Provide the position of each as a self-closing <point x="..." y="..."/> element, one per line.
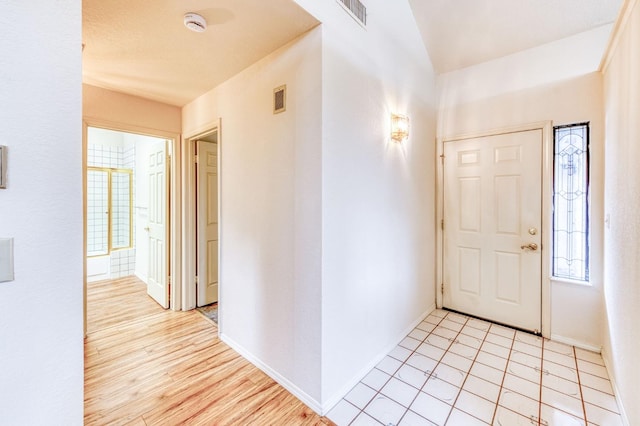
<point x="571" y="202"/>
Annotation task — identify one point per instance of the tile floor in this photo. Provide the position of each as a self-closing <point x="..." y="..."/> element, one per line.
<point x="454" y="370"/>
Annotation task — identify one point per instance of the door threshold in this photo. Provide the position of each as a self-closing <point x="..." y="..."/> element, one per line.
<point x="524" y="330"/>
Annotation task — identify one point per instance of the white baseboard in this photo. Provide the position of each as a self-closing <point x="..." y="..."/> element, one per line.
<point x="283" y="381"/>
<point x="616" y="390"/>
<point x="322" y="409"/>
<point x="331" y="402"/>
<point x="576" y="343"/>
<point x="143" y="277"/>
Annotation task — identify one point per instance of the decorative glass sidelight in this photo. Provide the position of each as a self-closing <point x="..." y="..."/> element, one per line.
<point x="571" y="202"/>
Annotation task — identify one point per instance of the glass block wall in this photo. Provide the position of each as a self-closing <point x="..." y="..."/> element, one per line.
<point x="97" y="217"/>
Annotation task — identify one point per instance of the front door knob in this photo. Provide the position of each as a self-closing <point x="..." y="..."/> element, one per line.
<point x="532" y="247"/>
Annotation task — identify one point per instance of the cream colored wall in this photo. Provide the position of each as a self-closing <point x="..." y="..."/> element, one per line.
<point x="378" y="205"/>
<point x="576" y="310"/>
<point x="41" y="344"/>
<point x="270" y="224"/>
<point x="622" y="204"/>
<point x="133" y="112"/>
<point x="327" y="226"/>
<point x="540" y="66"/>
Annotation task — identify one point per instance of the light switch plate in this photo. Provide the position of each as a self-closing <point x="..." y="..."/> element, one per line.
<point x="6" y="259"/>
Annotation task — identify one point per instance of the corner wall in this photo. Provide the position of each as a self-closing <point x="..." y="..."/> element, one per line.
<point x="270" y="227"/>
<point x="378" y="196"/>
<point x="41" y="335"/>
<point x="622" y="204"/>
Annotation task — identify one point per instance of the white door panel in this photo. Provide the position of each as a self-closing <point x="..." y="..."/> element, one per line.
<point x="207" y="223"/>
<point x="157" y="284"/>
<point x="492" y="198"/>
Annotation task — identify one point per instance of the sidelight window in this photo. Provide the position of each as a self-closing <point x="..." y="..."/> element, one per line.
<point x="571" y="202"/>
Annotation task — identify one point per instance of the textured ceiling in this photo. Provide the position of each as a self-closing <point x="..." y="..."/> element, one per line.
<point x="141" y="47"/>
<point x="461" y="33"/>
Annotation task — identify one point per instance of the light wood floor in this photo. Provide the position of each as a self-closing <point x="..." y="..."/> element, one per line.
<point x="148" y="366"/>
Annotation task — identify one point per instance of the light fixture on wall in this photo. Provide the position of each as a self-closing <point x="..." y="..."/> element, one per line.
<point x="195" y="22"/>
<point x="399" y="127"/>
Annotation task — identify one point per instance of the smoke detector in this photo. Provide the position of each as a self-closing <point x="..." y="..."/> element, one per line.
<point x="195" y="22"/>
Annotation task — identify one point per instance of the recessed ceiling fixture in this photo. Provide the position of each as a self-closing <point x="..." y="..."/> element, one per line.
<point x="195" y="22"/>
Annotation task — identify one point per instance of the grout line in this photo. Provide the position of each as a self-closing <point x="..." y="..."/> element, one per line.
<point x="434" y="368"/>
<point x="392" y="375"/>
<point x="430" y="373"/>
<point x="469" y="373"/>
<point x="504" y="375"/>
<point x="541" y="377"/>
<point x="584" y="408"/>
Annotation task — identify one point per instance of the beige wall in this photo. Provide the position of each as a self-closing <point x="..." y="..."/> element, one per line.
<point x="622" y="207"/>
<point x="270" y="227"/>
<point x="324" y="219"/>
<point x="378" y="225"/>
<point x="576" y="310"/>
<point x="129" y="111"/>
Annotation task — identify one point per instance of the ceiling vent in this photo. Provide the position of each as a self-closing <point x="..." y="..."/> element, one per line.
<point x="356" y="9"/>
<point x="279" y="99"/>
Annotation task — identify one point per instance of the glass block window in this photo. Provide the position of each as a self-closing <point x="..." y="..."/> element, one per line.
<point x="121" y="211"/>
<point x="571" y="202"/>
<point x="97" y="212"/>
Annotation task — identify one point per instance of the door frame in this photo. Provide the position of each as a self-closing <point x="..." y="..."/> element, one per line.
<point x="174" y="212"/>
<point x="203" y="197"/>
<point x="189" y="237"/>
<point x="546" y="127"/>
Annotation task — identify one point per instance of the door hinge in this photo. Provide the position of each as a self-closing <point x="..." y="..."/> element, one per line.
<point x="196" y="158"/>
<point x="196" y="280"/>
<point x="442" y="158"/>
<point x="442" y="288"/>
<point x="442" y="224"/>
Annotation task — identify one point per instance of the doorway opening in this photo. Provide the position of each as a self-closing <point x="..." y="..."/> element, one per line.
<point x="127" y="212"/>
<point x="202" y="235"/>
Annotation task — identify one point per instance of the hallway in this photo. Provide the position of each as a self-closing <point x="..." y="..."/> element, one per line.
<point x="148" y="366"/>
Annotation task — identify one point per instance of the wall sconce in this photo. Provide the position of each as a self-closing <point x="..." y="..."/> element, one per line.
<point x="399" y="127"/>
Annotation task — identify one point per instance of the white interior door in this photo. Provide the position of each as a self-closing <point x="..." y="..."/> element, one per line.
<point x="207" y="223"/>
<point x="157" y="283"/>
<point x="492" y="228"/>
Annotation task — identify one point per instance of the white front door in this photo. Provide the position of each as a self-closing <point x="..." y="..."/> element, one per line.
<point x="157" y="283"/>
<point x="492" y="228"/>
<point x="207" y="223"/>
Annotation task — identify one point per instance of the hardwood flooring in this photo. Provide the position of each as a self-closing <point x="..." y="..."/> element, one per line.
<point x="148" y="366"/>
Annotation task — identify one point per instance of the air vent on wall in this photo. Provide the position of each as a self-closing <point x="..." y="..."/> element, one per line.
<point x="279" y="99"/>
<point x="356" y="9"/>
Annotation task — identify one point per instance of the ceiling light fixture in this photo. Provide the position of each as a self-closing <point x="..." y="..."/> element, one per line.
<point x="195" y="22"/>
